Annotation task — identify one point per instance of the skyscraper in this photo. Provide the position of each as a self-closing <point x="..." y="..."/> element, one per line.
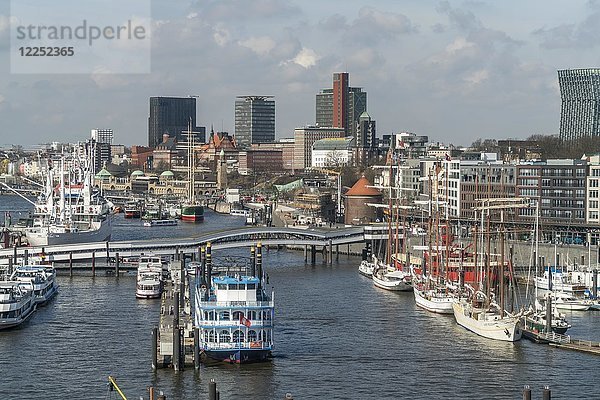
<point x="341" y="106"/>
<point x="172" y="116"/>
<point x="254" y="120"/>
<point x="340" y="100"/>
<point x="580" y="109"/>
<point x="103" y="135"/>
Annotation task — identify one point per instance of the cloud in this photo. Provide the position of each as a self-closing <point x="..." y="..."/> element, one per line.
<point x="581" y="35"/>
<point x="228" y="10"/>
<point x="305" y="58"/>
<point x="261" y="45"/>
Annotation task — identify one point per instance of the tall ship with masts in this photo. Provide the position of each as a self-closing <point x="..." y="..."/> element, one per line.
<point x="484" y="311"/>
<point x="191" y="210"/>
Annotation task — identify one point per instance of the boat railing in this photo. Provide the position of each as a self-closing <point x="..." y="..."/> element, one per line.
<point x="239" y="345"/>
<point x="227" y="322"/>
<point x="556" y="337"/>
<point x="236" y="304"/>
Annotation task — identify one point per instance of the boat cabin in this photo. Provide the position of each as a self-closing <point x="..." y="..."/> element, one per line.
<point x="235" y="288"/>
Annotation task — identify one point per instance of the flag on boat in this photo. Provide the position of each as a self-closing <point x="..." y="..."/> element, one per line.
<point x="245" y="321"/>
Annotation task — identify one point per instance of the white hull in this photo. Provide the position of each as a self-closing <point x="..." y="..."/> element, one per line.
<point x="488" y="325"/>
<point x="41" y="236"/>
<point x="436" y="303"/>
<point x="572" y="306"/>
<point x="366" y="268"/>
<point x="397" y="281"/>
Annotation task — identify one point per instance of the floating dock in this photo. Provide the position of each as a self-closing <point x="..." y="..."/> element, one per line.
<point x="563" y="341"/>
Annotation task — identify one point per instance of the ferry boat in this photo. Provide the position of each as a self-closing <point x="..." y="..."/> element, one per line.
<point x="39" y="278"/>
<point x="161" y="222"/>
<point x="16" y="304"/>
<point x="132" y="210"/>
<point x="149" y="282"/>
<point x="239" y="213"/>
<point x="235" y="317"/>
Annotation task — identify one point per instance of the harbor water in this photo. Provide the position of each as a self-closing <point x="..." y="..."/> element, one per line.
<point x="336" y="337"/>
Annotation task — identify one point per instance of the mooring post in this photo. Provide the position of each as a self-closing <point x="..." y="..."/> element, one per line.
<point x="176" y="335"/>
<point x="549" y="313"/>
<point x="117" y="262"/>
<point x="10" y="265"/>
<point x="154" y="348"/>
<point x="197" y="348"/>
<point x="15" y="255"/>
<point x="26" y="257"/>
<point x="329" y="252"/>
<point x="546" y="393"/>
<point x="313" y="253"/>
<point x="595" y="283"/>
<point x="182" y="285"/>
<point x="208" y="265"/>
<point x="259" y="270"/>
<point x="305" y="253"/>
<point x="212" y="390"/>
<point x="337" y="252"/>
<point x="177" y="255"/>
<point x="526" y="392"/>
<point x="71" y="264"/>
<point x="93" y="263"/>
<point x="107" y="255"/>
<point x="202" y="266"/>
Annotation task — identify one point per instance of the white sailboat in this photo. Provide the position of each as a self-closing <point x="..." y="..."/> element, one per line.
<point x="479" y="313"/>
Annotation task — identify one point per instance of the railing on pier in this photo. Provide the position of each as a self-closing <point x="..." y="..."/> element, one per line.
<point x="556" y="337"/>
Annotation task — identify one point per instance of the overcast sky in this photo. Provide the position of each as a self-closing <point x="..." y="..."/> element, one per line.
<point x="453" y="70"/>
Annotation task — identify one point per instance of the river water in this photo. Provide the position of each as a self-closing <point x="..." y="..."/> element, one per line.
<point x="337" y="337"/>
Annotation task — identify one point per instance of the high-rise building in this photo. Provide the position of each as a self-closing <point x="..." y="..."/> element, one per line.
<point x="172" y="116"/>
<point x="254" y="120"/>
<point x="304" y="138"/>
<point x="580" y="110"/>
<point x="103" y="135"/>
<point x="341" y="106"/>
<point x="364" y="139"/>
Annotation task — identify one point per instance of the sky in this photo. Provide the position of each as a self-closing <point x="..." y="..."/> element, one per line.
<point x="455" y="71"/>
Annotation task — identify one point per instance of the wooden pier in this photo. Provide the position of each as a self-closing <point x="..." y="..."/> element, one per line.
<point x="563" y="341"/>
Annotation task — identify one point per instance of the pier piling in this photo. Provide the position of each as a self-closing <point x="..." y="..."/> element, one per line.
<point x="182" y="284"/>
<point x="595" y="283"/>
<point x="526" y="392"/>
<point x="154" y="348"/>
<point x="26" y="257"/>
<point x="252" y="261"/>
<point x="197" y="348"/>
<point x="71" y="264"/>
<point x="305" y="253"/>
<point x="329" y="252"/>
<point x="10" y="265"/>
<point x="93" y="263"/>
<point x="176" y="334"/>
<point x="15" y="255"/>
<point x="313" y="253"/>
<point x="546" y="393"/>
<point x="117" y="261"/>
<point x="212" y="390"/>
<point x="259" y="271"/>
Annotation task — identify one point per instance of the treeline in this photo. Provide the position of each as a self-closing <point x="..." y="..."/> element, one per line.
<point x="551" y="147"/>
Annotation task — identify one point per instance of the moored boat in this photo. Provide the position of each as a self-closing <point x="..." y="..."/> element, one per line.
<point x="161" y="222"/>
<point x="39" y="278"/>
<point x="395" y="280"/>
<point x="487" y="321"/>
<point x="434" y="300"/>
<point x="366" y="268"/>
<point x="565" y="301"/>
<point x="192" y="213"/>
<point x="16" y="304"/>
<point x="149" y="284"/>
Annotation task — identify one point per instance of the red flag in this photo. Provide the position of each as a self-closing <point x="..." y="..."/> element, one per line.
<point x="245" y="321"/>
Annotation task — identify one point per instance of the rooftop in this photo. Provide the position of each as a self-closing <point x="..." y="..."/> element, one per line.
<point x="361" y="188"/>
